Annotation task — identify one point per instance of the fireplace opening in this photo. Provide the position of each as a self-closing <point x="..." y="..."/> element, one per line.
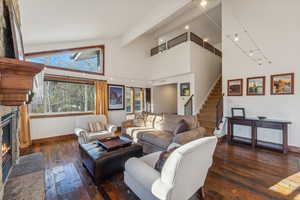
<point x="6" y="124"/>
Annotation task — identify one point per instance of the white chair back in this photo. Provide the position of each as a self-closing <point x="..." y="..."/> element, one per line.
<point x="186" y="168"/>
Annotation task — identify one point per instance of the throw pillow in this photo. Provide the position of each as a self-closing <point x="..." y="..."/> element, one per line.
<point x="96" y="126"/>
<point x="163" y="158"/>
<point x="182" y="126"/>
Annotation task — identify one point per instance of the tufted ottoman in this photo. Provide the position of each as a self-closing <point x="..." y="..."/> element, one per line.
<point x="102" y="164"/>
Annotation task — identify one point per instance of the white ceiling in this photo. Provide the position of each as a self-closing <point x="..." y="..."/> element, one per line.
<point x="206" y="25"/>
<point x="49" y="21"/>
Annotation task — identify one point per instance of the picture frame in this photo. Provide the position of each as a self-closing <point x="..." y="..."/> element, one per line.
<point x="185" y="89"/>
<point x="116" y="97"/>
<point x="238" y="112"/>
<point x="16" y="33"/>
<point x="235" y="87"/>
<point x="282" y="84"/>
<point x="256" y="86"/>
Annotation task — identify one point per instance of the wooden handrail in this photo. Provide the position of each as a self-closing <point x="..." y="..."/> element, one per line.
<point x="184" y="38"/>
<point x="186" y="105"/>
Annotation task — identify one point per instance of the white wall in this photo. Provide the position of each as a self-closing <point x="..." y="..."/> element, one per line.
<point x="207" y="69"/>
<point x="172" y="62"/>
<point x="276" y="28"/>
<point x="181" y="101"/>
<point x="165" y="99"/>
<point x="123" y="65"/>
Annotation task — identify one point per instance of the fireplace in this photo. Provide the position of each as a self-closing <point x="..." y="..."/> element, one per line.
<point x="6" y="146"/>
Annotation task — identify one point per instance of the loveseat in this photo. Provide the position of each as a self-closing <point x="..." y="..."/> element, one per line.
<point x="156" y="131"/>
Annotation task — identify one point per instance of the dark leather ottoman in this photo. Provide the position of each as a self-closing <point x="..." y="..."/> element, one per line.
<point x="102" y="164"/>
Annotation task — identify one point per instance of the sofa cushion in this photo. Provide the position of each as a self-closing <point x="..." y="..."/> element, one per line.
<point x="170" y="122"/>
<point x="99" y="135"/>
<point x="181" y="127"/>
<point x="163" y="158"/>
<point x="158" y="138"/>
<point x="96" y="126"/>
<point x="149" y="122"/>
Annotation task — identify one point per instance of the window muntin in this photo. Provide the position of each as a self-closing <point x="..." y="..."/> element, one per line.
<point x="129" y="99"/>
<point x="81" y="59"/>
<point x="65" y="97"/>
<point x="138" y="101"/>
<point x="134" y="100"/>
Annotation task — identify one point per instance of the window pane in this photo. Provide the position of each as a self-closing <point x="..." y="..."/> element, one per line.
<point x="138" y="99"/>
<point x="128" y="99"/>
<point x="66" y="97"/>
<point x="87" y="60"/>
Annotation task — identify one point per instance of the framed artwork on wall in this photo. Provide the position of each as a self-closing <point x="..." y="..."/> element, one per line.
<point x="235" y="87"/>
<point x="256" y="86"/>
<point x="282" y="84"/>
<point x="116" y="97"/>
<point x="185" y="89"/>
<point x="238" y="112"/>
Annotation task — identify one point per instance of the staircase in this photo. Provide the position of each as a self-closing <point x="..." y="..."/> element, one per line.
<point x="207" y="116"/>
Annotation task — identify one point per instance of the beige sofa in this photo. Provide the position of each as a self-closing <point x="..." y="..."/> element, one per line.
<point x="155" y="131"/>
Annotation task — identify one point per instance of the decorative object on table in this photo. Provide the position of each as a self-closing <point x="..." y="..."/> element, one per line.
<point x="116" y="97"/>
<point x="256" y="86"/>
<point x="185" y="89"/>
<point x="113" y="143"/>
<point x="261" y="117"/>
<point x="235" y="87"/>
<point x="282" y="84"/>
<point x="238" y="112"/>
<point x="16" y="33"/>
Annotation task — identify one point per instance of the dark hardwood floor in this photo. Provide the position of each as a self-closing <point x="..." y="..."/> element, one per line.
<point x="238" y="173"/>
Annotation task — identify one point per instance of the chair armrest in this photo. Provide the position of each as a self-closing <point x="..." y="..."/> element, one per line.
<point x="173" y="145"/>
<point x="185" y="137"/>
<point x="82" y="135"/>
<point x="127" y="123"/>
<point x="112" y="128"/>
<point x="161" y="190"/>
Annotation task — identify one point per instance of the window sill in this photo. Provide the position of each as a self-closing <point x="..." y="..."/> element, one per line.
<point x="37" y="116"/>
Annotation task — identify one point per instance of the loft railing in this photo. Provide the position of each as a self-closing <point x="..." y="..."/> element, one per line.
<point x="219" y="114"/>
<point x="158" y="49"/>
<point x="184" y="38"/>
<point x="188" y="107"/>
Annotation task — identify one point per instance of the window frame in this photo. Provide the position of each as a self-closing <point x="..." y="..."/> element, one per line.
<point x="64" y="114"/>
<point x="133" y="100"/>
<point x="58" y="51"/>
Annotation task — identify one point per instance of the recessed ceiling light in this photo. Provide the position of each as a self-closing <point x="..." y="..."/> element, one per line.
<point x="203" y="3"/>
<point x="187" y="27"/>
<point x="251" y="53"/>
<point x="236" y="37"/>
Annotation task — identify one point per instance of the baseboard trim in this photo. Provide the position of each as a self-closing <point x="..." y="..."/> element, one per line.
<point x="294" y="149"/>
<point x="53" y="139"/>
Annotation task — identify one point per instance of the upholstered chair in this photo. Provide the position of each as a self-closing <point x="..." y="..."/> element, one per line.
<point x="83" y="132"/>
<point x="182" y="175"/>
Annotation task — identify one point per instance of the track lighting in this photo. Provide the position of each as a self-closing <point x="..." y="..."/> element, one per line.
<point x="236" y="37"/>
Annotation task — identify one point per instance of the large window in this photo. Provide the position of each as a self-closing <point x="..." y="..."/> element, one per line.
<point x="134" y="99"/>
<point x="65" y="97"/>
<point x="87" y="59"/>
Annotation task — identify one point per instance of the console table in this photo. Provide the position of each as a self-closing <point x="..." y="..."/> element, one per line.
<point x="256" y="123"/>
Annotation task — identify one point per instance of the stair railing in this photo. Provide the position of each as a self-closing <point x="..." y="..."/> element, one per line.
<point x="219" y="114"/>
<point x="188" y="106"/>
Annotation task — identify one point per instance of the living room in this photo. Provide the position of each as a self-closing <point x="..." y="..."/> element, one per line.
<point x="147" y="99"/>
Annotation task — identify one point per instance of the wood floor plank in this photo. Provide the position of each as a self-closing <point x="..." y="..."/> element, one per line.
<point x="238" y="173"/>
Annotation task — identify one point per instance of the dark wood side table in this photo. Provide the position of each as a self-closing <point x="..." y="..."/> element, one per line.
<point x="254" y="124"/>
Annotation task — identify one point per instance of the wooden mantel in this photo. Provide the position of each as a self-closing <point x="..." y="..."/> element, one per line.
<point x="16" y="80"/>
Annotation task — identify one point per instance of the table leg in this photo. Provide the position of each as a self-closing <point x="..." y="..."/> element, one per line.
<point x="285" y="138"/>
<point x="254" y="136"/>
<point x="229" y="132"/>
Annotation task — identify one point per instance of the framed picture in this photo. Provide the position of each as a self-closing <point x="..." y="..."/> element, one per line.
<point x="235" y="87"/>
<point x="256" y="86"/>
<point x="238" y="112"/>
<point x="282" y="84"/>
<point x="116" y="97"/>
<point x="185" y="89"/>
<point x="16" y="33"/>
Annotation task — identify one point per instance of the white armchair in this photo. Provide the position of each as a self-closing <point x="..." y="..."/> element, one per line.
<point x="82" y="127"/>
<point x="182" y="175"/>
